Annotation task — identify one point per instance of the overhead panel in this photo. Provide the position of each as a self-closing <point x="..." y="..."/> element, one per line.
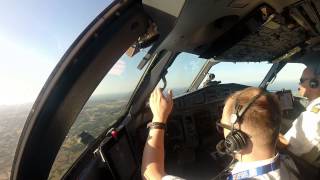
<point x="263" y="36"/>
<point x="168" y="6"/>
<point x="238" y="3"/>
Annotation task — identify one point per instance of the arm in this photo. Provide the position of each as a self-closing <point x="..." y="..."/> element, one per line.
<point x="283" y="143"/>
<point x="285" y="140"/>
<point x="153" y="154"/>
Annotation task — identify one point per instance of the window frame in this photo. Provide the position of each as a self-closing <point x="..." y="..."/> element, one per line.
<point x="71" y="83"/>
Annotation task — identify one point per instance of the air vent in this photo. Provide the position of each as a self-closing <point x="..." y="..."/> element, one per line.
<point x="307" y="14"/>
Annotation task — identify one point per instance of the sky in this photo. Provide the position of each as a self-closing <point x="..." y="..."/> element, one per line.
<point x="35" y="34"/>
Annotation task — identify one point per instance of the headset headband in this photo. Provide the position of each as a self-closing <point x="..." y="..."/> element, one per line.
<point x="240" y="113"/>
<point x="316" y="70"/>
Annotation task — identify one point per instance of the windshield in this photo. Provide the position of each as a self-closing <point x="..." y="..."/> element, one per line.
<point x="182" y="72"/>
<point x="250" y="74"/>
<point x="103" y="108"/>
<point x="33" y="37"/>
<point x="288" y="78"/>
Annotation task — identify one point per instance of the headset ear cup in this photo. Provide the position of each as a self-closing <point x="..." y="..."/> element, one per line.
<point x="235" y="141"/>
<point x="230" y="144"/>
<point x="313" y="83"/>
<point x="241" y="139"/>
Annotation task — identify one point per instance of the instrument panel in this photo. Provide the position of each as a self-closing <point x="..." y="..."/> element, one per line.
<point x="196" y="113"/>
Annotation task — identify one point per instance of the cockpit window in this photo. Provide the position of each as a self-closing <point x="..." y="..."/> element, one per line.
<point x="288" y="78"/>
<point x="250" y="74"/>
<point x="103" y="108"/>
<point x="182" y="72"/>
<point x="34" y="35"/>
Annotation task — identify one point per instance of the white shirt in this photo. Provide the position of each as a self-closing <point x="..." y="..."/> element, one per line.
<point x="287" y="168"/>
<point x="304" y="135"/>
<point x="286" y="171"/>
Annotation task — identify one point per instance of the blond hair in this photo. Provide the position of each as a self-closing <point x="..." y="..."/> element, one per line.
<point x="262" y="119"/>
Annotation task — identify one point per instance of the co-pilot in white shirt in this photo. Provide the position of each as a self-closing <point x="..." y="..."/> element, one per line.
<point x="304" y="135"/>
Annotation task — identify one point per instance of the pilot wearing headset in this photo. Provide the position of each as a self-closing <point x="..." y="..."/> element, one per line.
<point x="303" y="138"/>
<point x="251" y="121"/>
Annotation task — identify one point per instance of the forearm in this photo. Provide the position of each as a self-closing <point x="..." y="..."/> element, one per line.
<point x="282" y="142"/>
<point x="153" y="155"/>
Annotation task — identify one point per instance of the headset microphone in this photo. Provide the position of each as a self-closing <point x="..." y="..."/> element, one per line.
<point x="221" y="149"/>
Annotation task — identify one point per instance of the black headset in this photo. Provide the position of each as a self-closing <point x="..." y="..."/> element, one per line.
<point x="236" y="139"/>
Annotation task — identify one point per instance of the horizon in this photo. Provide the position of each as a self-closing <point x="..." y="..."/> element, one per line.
<point x="288" y="85"/>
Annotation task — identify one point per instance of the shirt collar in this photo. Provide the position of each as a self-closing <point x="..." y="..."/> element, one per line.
<point x="313" y="102"/>
<point x="242" y="166"/>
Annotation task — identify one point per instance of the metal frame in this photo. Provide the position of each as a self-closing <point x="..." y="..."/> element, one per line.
<point x="150" y="79"/>
<point x="272" y="74"/>
<point x="202" y="74"/>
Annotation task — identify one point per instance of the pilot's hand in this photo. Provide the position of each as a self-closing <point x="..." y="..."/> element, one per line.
<point x="161" y="105"/>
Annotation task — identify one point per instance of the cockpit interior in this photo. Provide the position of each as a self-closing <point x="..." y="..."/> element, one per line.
<point x="277" y="32"/>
